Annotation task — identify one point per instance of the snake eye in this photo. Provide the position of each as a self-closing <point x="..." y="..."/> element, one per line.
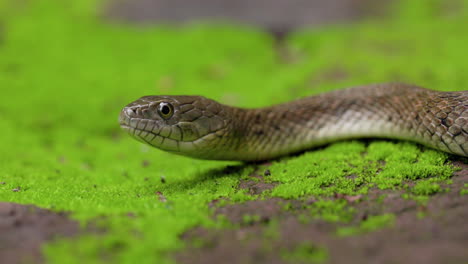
<point x="165" y="110"/>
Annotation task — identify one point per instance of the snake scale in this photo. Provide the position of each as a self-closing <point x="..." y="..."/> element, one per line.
<point x="202" y="128"/>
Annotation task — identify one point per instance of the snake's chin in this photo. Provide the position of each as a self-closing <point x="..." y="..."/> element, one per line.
<point x="124" y="119"/>
<point x="125" y="127"/>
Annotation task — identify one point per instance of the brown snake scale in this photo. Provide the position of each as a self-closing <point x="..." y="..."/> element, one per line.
<point x="202" y="128"/>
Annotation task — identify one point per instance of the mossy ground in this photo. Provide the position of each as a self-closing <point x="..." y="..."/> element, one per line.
<point x="65" y="74"/>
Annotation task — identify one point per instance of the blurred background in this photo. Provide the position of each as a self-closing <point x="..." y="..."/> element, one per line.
<point x="276" y="16"/>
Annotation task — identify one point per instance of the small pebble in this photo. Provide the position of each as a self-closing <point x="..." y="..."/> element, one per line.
<point x="17" y="189"/>
<point x="131" y="214"/>
<point x="161" y="196"/>
<point x="145" y="163"/>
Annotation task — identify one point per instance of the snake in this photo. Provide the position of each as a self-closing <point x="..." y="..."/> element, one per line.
<point x="203" y="128"/>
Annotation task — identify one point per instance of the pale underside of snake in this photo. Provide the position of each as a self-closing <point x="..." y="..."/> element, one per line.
<point x="203" y="128"/>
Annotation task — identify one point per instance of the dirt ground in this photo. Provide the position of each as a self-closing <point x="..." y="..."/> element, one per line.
<point x="24" y="228"/>
<point x="440" y="236"/>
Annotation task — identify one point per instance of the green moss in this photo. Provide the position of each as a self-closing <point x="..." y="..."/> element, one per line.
<point x="370" y="224"/>
<point x="306" y="253"/>
<point x="464" y="191"/>
<point x="328" y="171"/>
<point x="249" y="219"/>
<point x="271" y="231"/>
<point x="65" y="74"/>
<point x="332" y="210"/>
<point x="426" y="188"/>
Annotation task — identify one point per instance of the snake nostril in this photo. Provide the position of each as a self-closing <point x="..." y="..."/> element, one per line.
<point x="130" y="112"/>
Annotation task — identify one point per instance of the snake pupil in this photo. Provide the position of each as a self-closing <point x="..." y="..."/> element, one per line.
<point x="165" y="110"/>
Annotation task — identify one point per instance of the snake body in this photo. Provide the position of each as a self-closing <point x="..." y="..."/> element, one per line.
<point x="202" y="128"/>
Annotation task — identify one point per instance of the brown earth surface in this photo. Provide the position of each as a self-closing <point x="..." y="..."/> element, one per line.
<point x="439" y="236"/>
<point x="24" y="228"/>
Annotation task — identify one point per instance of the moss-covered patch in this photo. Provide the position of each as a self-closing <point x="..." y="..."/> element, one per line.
<point x="464" y="191"/>
<point x="426" y="187"/>
<point x="370" y="224"/>
<point x="306" y="253"/>
<point x="65" y="74"/>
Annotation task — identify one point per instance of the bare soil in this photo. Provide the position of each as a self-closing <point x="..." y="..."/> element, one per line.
<point x="24" y="228"/>
<point x="434" y="233"/>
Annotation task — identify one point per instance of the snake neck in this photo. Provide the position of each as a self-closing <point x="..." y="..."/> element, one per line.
<point x="435" y="119"/>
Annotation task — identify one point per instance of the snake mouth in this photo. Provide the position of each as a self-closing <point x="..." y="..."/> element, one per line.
<point x="126" y="128"/>
<point x="150" y="132"/>
<point x="151" y="138"/>
<point x="163" y="142"/>
<point x="131" y="126"/>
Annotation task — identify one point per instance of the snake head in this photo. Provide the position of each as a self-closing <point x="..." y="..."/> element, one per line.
<point x="182" y="124"/>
